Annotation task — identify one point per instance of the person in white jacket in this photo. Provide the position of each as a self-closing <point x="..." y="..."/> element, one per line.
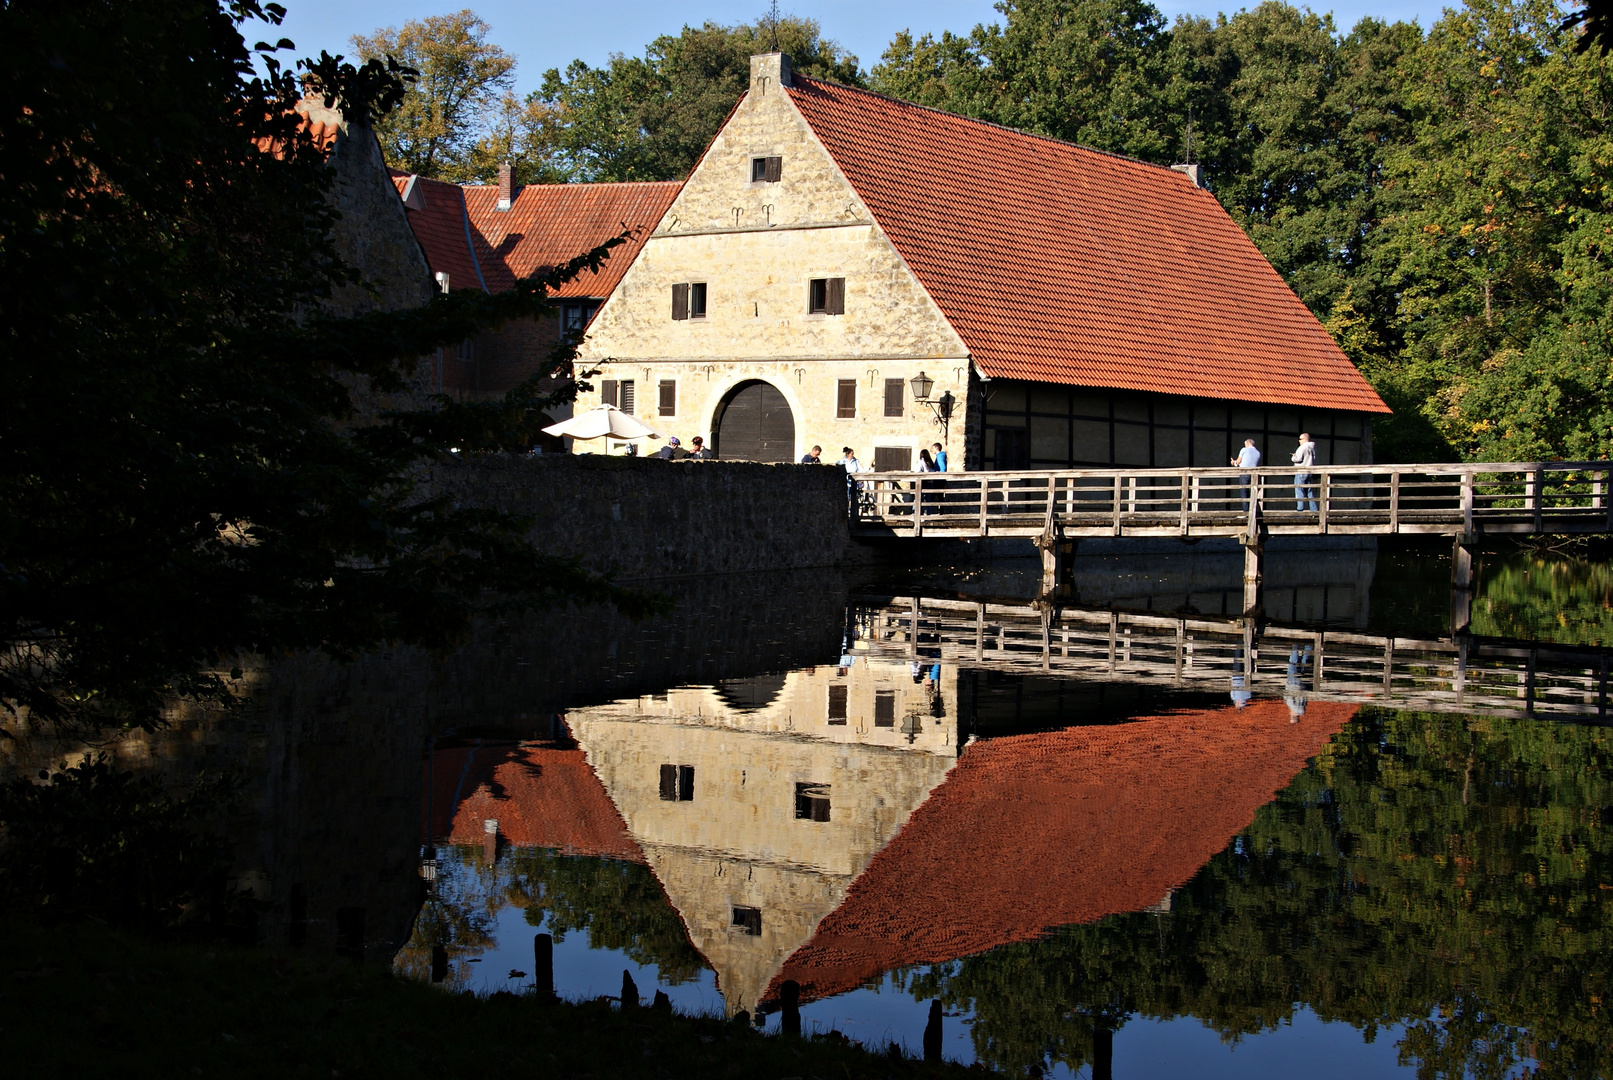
<point x="1304" y="457"/>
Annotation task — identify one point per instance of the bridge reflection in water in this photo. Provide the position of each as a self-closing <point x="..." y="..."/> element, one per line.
<point x="837" y="822"/>
<point x="1244" y="658"/>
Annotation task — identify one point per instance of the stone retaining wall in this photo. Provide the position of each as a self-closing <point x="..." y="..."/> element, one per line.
<point x="643" y="518"/>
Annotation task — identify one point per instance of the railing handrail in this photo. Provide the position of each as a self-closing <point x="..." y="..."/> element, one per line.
<point x="1456" y="469"/>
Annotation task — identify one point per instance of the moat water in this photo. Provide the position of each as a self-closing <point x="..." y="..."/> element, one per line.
<point x="789" y="778"/>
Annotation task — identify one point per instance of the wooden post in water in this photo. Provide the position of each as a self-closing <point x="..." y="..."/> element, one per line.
<point x="350" y="932"/>
<point x="932" y="1033"/>
<point x="543" y="965"/>
<point x="439" y="963"/>
<point x="1103" y="1052"/>
<point x="1461" y="583"/>
<point x="789" y="996"/>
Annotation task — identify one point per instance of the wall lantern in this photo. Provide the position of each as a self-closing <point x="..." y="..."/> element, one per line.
<point x="942" y="407"/>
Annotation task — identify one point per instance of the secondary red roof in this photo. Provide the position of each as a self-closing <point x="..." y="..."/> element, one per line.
<point x="1037" y="831"/>
<point x="1066" y="265"/>
<point x="462" y="232"/>
<point x="540" y="797"/>
<point x="550" y="224"/>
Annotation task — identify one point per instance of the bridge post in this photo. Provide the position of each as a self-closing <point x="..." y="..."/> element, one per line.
<point x="1462" y="582"/>
<point x="1253" y="570"/>
<point x="1056" y="552"/>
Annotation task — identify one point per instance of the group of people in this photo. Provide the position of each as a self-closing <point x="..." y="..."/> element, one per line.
<point x="674" y="451"/>
<point x="928" y="462"/>
<point x="1303" y="457"/>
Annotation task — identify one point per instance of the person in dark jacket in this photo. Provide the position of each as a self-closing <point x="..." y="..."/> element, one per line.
<point x="672" y="451"/>
<point x="813" y="456"/>
<point x="700" y="453"/>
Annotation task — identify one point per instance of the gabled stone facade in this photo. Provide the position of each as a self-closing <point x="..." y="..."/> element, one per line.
<point x="757" y="246"/>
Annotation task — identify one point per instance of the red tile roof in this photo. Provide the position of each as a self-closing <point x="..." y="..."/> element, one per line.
<point x="481" y="247"/>
<point x="443" y="230"/>
<point x="549" y="224"/>
<point x="541" y="797"/>
<point x="1037" y="831"/>
<point x="1066" y="265"/>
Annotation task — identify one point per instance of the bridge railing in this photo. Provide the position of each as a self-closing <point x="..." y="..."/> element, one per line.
<point x="1507" y="497"/>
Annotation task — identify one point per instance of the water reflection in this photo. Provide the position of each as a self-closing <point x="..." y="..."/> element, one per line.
<point x="1086" y="852"/>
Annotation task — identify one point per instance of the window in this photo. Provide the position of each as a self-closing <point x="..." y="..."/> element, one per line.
<point x="574" y="315"/>
<point x="846" y="406"/>
<point x="826" y="296"/>
<point x="893" y="459"/>
<point x="766" y="170"/>
<point x="895" y="395"/>
<point x="748" y="919"/>
<point x="812" y="802"/>
<point x="677" y="783"/>
<point x="668" y="404"/>
<point x="618" y="393"/>
<point x="837" y="704"/>
<point x="884" y="708"/>
<point x="467" y="350"/>
<point x="689" y="300"/>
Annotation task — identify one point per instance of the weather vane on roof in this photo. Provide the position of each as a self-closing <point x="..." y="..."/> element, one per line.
<point x="772" y="23"/>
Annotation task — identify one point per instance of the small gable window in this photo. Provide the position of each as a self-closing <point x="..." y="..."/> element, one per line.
<point x="574" y="315"/>
<point x="766" y="170"/>
<point x="827" y="296"/>
<point x="689" y="300"/>
<point x="618" y="393"/>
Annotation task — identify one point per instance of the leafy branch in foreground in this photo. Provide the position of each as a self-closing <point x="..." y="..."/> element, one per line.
<point x="201" y="459"/>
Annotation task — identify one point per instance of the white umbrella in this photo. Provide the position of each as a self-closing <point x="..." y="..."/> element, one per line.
<point x="602" y="422"/>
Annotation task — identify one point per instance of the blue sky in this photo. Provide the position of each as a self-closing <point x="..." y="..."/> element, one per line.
<point x="544" y="35"/>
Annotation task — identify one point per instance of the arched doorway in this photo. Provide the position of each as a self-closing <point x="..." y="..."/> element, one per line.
<point x="754" y="423"/>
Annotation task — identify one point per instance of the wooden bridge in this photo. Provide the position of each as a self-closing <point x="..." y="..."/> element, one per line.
<point x="1463" y="674"/>
<point x="1355" y="500"/>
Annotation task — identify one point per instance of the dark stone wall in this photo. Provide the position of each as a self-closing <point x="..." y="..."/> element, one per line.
<point x="642" y="518"/>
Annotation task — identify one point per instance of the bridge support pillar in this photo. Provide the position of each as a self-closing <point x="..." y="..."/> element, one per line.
<point x="1056" y="553"/>
<point x="1254" y="556"/>
<point x="1462" y="582"/>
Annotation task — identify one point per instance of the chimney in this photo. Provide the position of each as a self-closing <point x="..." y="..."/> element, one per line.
<point x="769" y="71"/>
<point x="506" y="186"/>
<point x="1189" y="171"/>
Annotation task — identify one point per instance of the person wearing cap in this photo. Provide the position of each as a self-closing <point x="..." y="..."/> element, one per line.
<point x="700" y="453"/>
<point x="672" y="451"/>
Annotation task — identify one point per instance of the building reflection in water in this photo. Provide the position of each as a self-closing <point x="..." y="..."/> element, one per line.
<point x="837" y="822"/>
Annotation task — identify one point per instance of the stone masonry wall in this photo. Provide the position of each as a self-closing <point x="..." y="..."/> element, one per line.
<point x="645" y="518"/>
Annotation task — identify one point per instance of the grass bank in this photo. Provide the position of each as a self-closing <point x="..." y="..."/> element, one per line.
<point x="84" y="1001"/>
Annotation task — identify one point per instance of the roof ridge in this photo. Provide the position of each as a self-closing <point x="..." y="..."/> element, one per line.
<point x="796" y="76"/>
<point x="571" y="185"/>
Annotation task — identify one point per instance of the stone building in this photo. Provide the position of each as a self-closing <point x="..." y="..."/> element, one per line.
<point x="485" y="236"/>
<point x="1073" y="307"/>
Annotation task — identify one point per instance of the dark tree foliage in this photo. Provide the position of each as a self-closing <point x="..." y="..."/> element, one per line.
<point x="96" y="842"/>
<point x="1442" y="874"/>
<point x="186" y="477"/>
<point x="651" y="117"/>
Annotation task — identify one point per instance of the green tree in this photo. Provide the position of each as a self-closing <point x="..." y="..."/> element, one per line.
<point x="187" y="474"/>
<point x="462" y="86"/>
<point x="651" y="117"/>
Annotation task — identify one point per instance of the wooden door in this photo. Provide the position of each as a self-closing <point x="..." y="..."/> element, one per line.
<point x="755" y="424"/>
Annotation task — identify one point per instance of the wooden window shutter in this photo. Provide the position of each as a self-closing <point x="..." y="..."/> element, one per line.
<point x="680" y="301"/>
<point x="610" y="392"/>
<point x="774" y="169"/>
<point x="835" y="302"/>
<point x="893" y="459"/>
<point x="669" y="783"/>
<point x="669" y="397"/>
<point x="895" y="395"/>
<point x="686" y="783"/>
<point x="837" y="703"/>
<point x="626" y="402"/>
<point x="884" y="708"/>
<point x="846" y="406"/>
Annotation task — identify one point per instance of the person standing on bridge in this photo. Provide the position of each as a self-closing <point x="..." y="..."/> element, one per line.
<point x="1248" y="458"/>
<point x="813" y="456"/>
<point x="939" y="457"/>
<point x="1304" y="457"/>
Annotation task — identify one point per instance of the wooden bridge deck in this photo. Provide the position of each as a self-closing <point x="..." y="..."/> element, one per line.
<point x="1375" y="500"/>
<point x="1464" y="674"/>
